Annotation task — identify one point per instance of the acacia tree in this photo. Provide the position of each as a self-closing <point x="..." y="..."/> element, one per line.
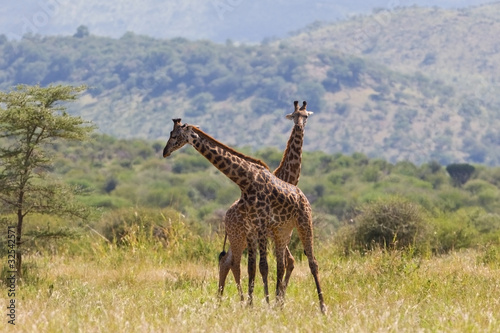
<point x="460" y="173"/>
<point x="32" y="118"/>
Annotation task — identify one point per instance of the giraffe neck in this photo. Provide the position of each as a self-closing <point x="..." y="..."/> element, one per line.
<point x="241" y="169"/>
<point x="290" y="166"/>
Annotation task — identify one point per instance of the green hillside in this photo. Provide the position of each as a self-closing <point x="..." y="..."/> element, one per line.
<point x="460" y="46"/>
<point x="240" y="93"/>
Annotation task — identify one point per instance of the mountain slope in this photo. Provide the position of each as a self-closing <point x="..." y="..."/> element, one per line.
<point x="240" y="93"/>
<point x="458" y="46"/>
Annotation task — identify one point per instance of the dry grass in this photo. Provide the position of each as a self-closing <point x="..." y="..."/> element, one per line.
<point x="111" y="289"/>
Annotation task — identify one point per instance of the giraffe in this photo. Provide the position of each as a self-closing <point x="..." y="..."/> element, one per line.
<point x="267" y="204"/>
<point x="288" y="171"/>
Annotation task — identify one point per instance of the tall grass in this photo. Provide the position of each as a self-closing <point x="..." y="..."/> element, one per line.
<point x="91" y="285"/>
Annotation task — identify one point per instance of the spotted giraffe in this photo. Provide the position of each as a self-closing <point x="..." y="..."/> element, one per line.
<point x="288" y="171"/>
<point x="267" y="205"/>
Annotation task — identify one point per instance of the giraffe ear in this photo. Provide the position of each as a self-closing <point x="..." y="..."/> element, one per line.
<point x="309" y="113"/>
<point x="289" y="116"/>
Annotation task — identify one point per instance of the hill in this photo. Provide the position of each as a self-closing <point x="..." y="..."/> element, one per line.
<point x="240" y="93"/>
<point x="459" y="46"/>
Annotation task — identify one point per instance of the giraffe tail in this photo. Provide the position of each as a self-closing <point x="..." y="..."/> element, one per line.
<point x="223" y="253"/>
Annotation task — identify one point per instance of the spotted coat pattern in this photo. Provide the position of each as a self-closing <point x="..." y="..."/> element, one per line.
<point x="267" y="205"/>
<point x="288" y="171"/>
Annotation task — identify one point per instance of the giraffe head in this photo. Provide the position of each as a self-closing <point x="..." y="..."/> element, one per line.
<point x="178" y="137"/>
<point x="299" y="116"/>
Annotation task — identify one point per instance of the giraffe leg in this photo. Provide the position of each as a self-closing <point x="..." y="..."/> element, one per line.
<point x="231" y="261"/>
<point x="280" y="272"/>
<point x="306" y="237"/>
<point x="252" y="258"/>
<point x="263" y="266"/>
<point x="290" y="264"/>
<point x="224" y="267"/>
<point x="235" y="267"/>
<point x="237" y="276"/>
<point x="313" y="266"/>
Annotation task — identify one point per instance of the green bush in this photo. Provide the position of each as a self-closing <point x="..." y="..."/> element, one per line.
<point x="391" y="222"/>
<point x="454" y="230"/>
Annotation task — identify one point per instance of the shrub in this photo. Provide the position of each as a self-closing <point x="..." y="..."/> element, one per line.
<point x="391" y="222"/>
<point x="455" y="230"/>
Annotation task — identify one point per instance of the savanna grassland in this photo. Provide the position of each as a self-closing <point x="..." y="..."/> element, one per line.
<point x="145" y="260"/>
<point x="90" y="285"/>
<point x="400" y="166"/>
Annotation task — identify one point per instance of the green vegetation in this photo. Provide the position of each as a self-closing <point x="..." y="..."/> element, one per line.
<point x="32" y="119"/>
<point x="460" y="173"/>
<point x="390" y="223"/>
<point x="150" y="260"/>
<point x="118" y="174"/>
<point x="88" y="284"/>
<point x="139" y="83"/>
<point x="407" y="238"/>
<point x="449" y="53"/>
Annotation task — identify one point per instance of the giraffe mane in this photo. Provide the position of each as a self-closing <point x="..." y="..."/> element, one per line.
<point x="229" y="149"/>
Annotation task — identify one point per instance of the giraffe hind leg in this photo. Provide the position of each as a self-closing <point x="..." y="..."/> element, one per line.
<point x="280" y="272"/>
<point x="263" y="265"/>
<point x="290" y="265"/>
<point x="235" y="267"/>
<point x="306" y="237"/>
<point x="252" y="267"/>
<point x="231" y="261"/>
<point x="224" y="268"/>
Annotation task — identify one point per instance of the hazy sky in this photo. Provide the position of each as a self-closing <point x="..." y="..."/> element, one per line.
<point x="239" y="20"/>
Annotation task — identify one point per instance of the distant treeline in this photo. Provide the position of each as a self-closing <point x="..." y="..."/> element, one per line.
<point x="202" y="70"/>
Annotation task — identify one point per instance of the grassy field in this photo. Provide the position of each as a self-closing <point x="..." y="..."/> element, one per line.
<point x="88" y="285"/>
